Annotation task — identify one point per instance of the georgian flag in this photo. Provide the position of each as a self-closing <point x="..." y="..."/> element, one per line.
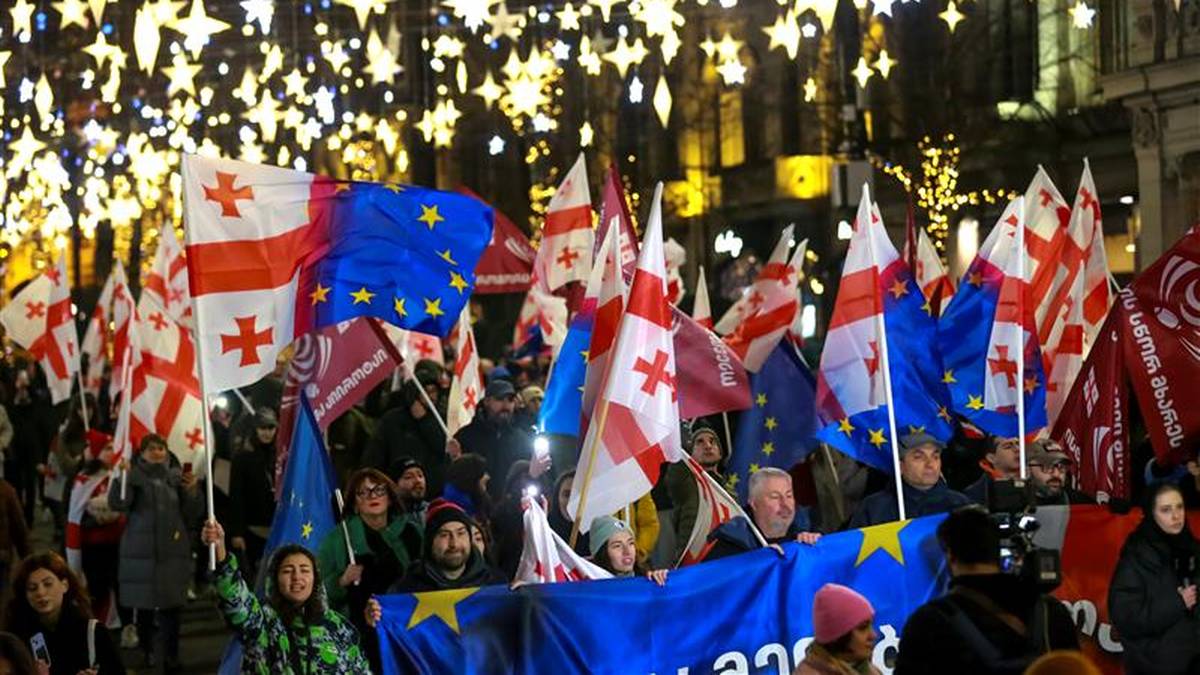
<point x="931" y="276"/>
<point x="167" y="281"/>
<point x="715" y="509"/>
<point x="124" y="312"/>
<point x="606" y="288"/>
<point x="774" y="304"/>
<point x="546" y="558"/>
<point x="466" y="390"/>
<point x="565" y="254"/>
<point x="97" y="338"/>
<point x="701" y="311"/>
<point x="39" y="319"/>
<point x="752" y="297"/>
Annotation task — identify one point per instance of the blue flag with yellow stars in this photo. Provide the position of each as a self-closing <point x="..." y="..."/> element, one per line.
<point x="745" y="613"/>
<point x="403" y="254"/>
<point x="304" y="514"/>
<point x="561" y="409"/>
<point x="778" y="427"/>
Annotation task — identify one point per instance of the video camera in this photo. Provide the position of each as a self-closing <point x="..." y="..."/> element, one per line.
<point x="1012" y="506"/>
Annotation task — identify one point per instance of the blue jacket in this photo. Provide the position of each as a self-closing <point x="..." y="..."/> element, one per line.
<point x="881" y="507"/>
<point x="736" y="536"/>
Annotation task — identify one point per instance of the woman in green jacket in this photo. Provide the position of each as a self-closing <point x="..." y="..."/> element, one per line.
<point x="293" y="632"/>
<point x="384" y="540"/>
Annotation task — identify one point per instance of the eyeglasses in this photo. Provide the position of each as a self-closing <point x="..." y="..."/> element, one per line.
<point x="373" y="491"/>
<point x="1059" y="467"/>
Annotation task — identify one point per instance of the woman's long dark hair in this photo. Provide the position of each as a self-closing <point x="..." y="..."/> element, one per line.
<point x="17" y="612"/>
<point x="312" y="611"/>
<point x="13" y="650"/>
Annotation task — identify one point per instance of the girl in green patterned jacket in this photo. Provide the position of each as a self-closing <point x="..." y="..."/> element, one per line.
<point x="293" y="632"/>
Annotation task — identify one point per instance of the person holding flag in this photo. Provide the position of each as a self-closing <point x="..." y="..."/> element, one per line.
<point x="925" y="491"/>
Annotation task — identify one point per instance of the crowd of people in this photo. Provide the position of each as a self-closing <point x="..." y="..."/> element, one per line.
<point x="424" y="512"/>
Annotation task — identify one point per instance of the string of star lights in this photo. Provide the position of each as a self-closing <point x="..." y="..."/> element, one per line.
<point x="934" y="185"/>
<point x="100" y="99"/>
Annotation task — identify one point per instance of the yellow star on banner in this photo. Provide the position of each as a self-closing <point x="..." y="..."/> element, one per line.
<point x="943" y="413"/>
<point x="440" y="604"/>
<point x="975" y="279"/>
<point x="586" y="354"/>
<point x="394" y="188"/>
<point x="884" y="537"/>
<point x="844" y="426"/>
<point x="912" y="429"/>
<point x="306" y="530"/>
<point x="876" y="437"/>
<point x="321" y="294"/>
<point x="457" y="282"/>
<point x="760" y="400"/>
<point x="974" y="402"/>
<point x="768" y="448"/>
<point x="433" y="307"/>
<point x="770" y="424"/>
<point x="927" y="307"/>
<point x="362" y="295"/>
<point x="398" y="305"/>
<point x="430" y="216"/>
<point x="341" y="187"/>
<point x="732" y="482"/>
<point x="1031" y="384"/>
<point x="898" y="289"/>
<point x="445" y="255"/>
<point x="948" y="377"/>
<point x="754" y="468"/>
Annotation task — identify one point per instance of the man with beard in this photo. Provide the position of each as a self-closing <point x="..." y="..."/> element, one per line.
<point x="1049" y="468"/>
<point x="410" y="487"/>
<point x="682" y="484"/>
<point x="450" y="559"/>
<point x="493" y="436"/>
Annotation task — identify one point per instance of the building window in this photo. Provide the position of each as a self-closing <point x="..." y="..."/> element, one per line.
<point x="733" y="137"/>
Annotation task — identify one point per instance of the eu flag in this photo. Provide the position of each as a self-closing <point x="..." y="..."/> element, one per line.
<point x="403" y="254"/>
<point x="304" y="514"/>
<point x="778" y="427"/>
<point x="561" y="409"/>
<point x="754" y="611"/>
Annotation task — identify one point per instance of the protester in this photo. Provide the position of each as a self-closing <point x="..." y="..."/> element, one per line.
<point x="613" y="548"/>
<point x="252" y="490"/>
<point x="50" y="606"/>
<point x="773" y="508"/>
<point x="524" y="478"/>
<point x="14" y="535"/>
<point x="292" y="631"/>
<point x="15" y="658"/>
<point x="1050" y="469"/>
<point x="925" y="491"/>
<point x="33" y="427"/>
<point x="449" y="559"/>
<point x="411" y="488"/>
<point x="99" y="527"/>
<point x="492" y="434"/>
<point x="682" y="484"/>
<point x="467" y="485"/>
<point x="63" y="461"/>
<point x="385" y="541"/>
<point x="990" y="621"/>
<point x="1001" y="462"/>
<point x="843" y="634"/>
<point x="410" y="431"/>
<point x="559" y="517"/>
<point x="1152" y="595"/>
<point x="159" y="499"/>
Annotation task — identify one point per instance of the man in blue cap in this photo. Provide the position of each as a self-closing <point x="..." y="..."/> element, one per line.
<point x="925" y="491"/>
<point x="493" y="436"/>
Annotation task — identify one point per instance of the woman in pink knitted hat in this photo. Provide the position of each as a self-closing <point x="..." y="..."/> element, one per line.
<point x="843" y="634"/>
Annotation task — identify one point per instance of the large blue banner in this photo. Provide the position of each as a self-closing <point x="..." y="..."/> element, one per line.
<point x="747" y="613"/>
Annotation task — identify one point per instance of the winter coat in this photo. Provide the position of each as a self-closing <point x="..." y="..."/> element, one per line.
<point x="818" y="661"/>
<point x="156" y="549"/>
<point x="252" y="488"/>
<point x="1159" y="634"/>
<point x="329" y="647"/>
<point x="685" y="496"/>
<point x="736" y="536"/>
<point x="500" y="445"/>
<point x="67" y="644"/>
<point x="399" y="436"/>
<point x="403" y="537"/>
<point x="881" y="506"/>
<point x="957" y="634"/>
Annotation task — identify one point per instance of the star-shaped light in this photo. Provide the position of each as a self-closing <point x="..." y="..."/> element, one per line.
<point x="732" y="72"/>
<point x="473" y="12"/>
<point x="810" y="90"/>
<point x="43" y="101"/>
<point x="588" y="58"/>
<point x="561" y="51"/>
<point x="951" y="16"/>
<point x="658" y="16"/>
<point x="146" y="39"/>
<point x="505" y="25"/>
<point x="381" y="63"/>
<point x="785" y="33"/>
<point x="883" y="6"/>
<point x="495" y="145"/>
<point x="885" y="63"/>
<point x="101" y="50"/>
<point x="568" y="18"/>
<point x="447" y="46"/>
<point x="21" y="152"/>
<point x="294" y="83"/>
<point x="669" y="46"/>
<point x="585" y="135"/>
<point x="97" y="9"/>
<point x="1082" y="15"/>
<point x="635" y="90"/>
<point x="728" y="48"/>
<point x="662" y="101"/>
<point x="363" y="8"/>
<point x="166" y="12"/>
<point x="625" y="55"/>
<point x="489" y="91"/>
<point x="272" y="63"/>
<point x="261" y="11"/>
<point x="862" y="72"/>
<point x="824" y="9"/>
<point x="73" y="12"/>
<point x="605" y="7"/>
<point x="22" y="17"/>
<point x="336" y="56"/>
<point x="181" y="76"/>
<point x="198" y="28"/>
<point x="267" y="116"/>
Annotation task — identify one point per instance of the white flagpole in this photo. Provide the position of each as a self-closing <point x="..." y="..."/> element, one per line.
<point x="887" y="392"/>
<point x="1020" y="253"/>
<point x="428" y="403"/>
<point x="82" y="399"/>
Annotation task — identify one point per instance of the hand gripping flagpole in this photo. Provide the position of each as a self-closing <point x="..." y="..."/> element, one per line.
<point x="1020" y="253"/>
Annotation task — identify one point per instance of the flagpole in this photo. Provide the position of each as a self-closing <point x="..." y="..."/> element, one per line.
<point x="337" y="493"/>
<point x="408" y="374"/>
<point x="587" y="474"/>
<point x="1020" y="253"/>
<point x="887" y="392"/>
<point x="728" y="436"/>
<point x="82" y="400"/>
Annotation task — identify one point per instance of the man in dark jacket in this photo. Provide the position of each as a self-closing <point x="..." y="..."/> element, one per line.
<point x="410" y="431"/>
<point x="411" y="488"/>
<point x="681" y="483"/>
<point x="493" y="436"/>
<point x="773" y="508"/>
<point x="990" y="622"/>
<point x="1001" y="462"/>
<point x="450" y="559"/>
<point x="252" y="491"/>
<point x="925" y="492"/>
<point x="1050" y="468"/>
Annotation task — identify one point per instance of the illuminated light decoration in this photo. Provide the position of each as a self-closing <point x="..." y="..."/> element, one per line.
<point x="588" y="59"/>
<point x="294" y="83"/>
<point x="708" y="46"/>
<point x="97" y="9"/>
<point x="245" y="91"/>
<point x="489" y="91"/>
<point x="810" y="90"/>
<point x="472" y="12"/>
<point x="4" y="57"/>
<point x="635" y="90"/>
<point x="72" y="12"/>
<point x="386" y="135"/>
<point x="658" y="16"/>
<point x="732" y="72"/>
<point x="22" y="151"/>
<point x="785" y="32"/>
<point x="1082" y="15"/>
<point x="669" y="46"/>
<point x="823" y="9"/>
<point x="272" y="64"/>
<point x="101" y="50"/>
<point x="504" y="24"/>
<point x="808" y="30"/>
<point x="112" y="86"/>
<point x="605" y="7"/>
<point x="862" y="72"/>
<point x="728" y="48"/>
<point x="568" y="17"/>
<point x="883" y="7"/>
<point x="146" y="39"/>
<point x="181" y="75"/>
<point x="43" y="101"/>
<point x="336" y="56"/>
<point x="381" y="63"/>
<point x="262" y="11"/>
<point x="662" y="101"/>
<point x="197" y="28"/>
<point x="561" y="51"/>
<point x="885" y="63"/>
<point x="460" y="77"/>
<point x="166" y="12"/>
<point x="495" y="146"/>
<point x="448" y="47"/>
<point x="951" y="16"/>
<point x="625" y="55"/>
<point x="323" y="104"/>
<point x="22" y="17"/>
<point x="585" y="135"/>
<point x="542" y="123"/>
<point x="363" y="8"/>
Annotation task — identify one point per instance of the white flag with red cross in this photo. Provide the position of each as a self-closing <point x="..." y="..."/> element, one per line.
<point x="715" y="508"/>
<point x="39" y="319"/>
<point x="753" y="297"/>
<point x="606" y="288"/>
<point x="773" y="305"/>
<point x="930" y="274"/>
<point x="466" y="389"/>
<point x="701" y="311"/>
<point x="165" y="389"/>
<point x="124" y="311"/>
<point x="546" y="558"/>
<point x="414" y="346"/>
<point x="545" y="313"/>
<point x="97" y="339"/>
<point x="635" y="424"/>
<point x="167" y="281"/>
<point x="565" y="254"/>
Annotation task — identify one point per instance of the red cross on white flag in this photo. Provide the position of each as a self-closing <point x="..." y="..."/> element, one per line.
<point x="167" y="281"/>
<point x="546" y="558"/>
<point x="635" y="424"/>
<point x="123" y="315"/>
<point x="565" y="254"/>
<point x="774" y="302"/>
<point x="97" y="339"/>
<point x="753" y="297"/>
<point x="466" y="390"/>
<point x="39" y="319"/>
<point x="606" y="288"/>
<point x="701" y="311"/>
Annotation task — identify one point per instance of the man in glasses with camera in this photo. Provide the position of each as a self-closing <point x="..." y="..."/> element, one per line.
<point x="1050" y="470"/>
